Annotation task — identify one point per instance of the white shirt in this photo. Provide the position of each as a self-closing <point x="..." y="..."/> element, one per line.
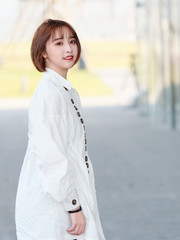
<point x="57" y="173"/>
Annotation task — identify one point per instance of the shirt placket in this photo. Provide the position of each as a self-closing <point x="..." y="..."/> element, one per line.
<point x="83" y="125"/>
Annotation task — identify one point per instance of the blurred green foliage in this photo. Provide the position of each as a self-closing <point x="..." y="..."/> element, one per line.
<point x="15" y="65"/>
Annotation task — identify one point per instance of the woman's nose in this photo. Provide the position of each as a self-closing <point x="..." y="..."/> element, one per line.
<point x="68" y="47"/>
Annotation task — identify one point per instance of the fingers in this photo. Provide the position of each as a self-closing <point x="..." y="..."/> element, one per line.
<point x="78" y="224"/>
<point x="72" y="228"/>
<point x="76" y="229"/>
<point x="82" y="228"/>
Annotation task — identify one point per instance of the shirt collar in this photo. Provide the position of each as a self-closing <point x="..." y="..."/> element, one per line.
<point x="58" y="79"/>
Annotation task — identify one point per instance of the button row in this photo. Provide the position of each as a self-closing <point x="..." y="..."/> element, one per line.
<point x="85" y="140"/>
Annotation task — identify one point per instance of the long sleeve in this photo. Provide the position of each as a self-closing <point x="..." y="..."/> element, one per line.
<point x="49" y="135"/>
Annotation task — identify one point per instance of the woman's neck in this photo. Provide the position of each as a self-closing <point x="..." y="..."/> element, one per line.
<point x="62" y="72"/>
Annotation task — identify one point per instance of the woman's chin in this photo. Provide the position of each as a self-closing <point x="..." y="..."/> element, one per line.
<point x="70" y="66"/>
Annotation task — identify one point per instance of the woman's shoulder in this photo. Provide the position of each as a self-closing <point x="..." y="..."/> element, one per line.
<point x="47" y="99"/>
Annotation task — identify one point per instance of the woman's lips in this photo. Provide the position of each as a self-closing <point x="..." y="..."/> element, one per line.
<point x="68" y="58"/>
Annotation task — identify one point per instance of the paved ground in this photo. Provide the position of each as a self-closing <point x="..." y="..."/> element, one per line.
<point x="138" y="173"/>
<point x="137" y="170"/>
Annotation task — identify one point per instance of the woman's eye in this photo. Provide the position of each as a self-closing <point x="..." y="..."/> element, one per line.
<point x="73" y="41"/>
<point x="59" y="43"/>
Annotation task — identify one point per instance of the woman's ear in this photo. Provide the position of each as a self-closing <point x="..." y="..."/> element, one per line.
<point x="44" y="55"/>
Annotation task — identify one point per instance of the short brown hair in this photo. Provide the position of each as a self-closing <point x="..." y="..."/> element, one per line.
<point x="42" y="35"/>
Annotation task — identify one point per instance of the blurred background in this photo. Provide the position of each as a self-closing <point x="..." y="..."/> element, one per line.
<point x="128" y="78"/>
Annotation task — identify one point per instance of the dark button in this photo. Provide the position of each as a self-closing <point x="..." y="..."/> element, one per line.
<point x="85" y="141"/>
<point x="82" y="120"/>
<point x="75" y="107"/>
<point x="66" y="88"/>
<point x="84" y="127"/>
<point x="86" y="158"/>
<point x="74" y="201"/>
<point x="78" y="113"/>
<point x="72" y="100"/>
<point x="87" y="164"/>
<point x="84" y="135"/>
<point x="85" y="148"/>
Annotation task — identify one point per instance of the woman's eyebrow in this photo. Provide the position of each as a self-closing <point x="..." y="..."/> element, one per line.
<point x="61" y="38"/>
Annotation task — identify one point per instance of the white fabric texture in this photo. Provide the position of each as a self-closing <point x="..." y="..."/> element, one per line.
<point x="57" y="174"/>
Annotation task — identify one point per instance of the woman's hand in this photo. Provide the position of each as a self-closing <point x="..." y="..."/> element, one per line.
<point x="78" y="223"/>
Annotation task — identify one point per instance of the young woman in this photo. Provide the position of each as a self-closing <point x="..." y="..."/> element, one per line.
<point x="56" y="196"/>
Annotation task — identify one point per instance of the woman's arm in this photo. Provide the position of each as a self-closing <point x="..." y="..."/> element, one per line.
<point x="49" y="136"/>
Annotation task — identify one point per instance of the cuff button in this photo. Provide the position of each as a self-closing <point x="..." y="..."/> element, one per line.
<point x="74" y="201"/>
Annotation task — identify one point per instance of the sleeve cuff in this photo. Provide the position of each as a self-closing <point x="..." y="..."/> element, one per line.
<point x="71" y="202"/>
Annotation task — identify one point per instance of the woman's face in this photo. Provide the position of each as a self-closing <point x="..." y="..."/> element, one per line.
<point x="61" y="51"/>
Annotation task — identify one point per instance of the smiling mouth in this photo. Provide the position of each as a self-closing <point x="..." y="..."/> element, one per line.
<point x="68" y="58"/>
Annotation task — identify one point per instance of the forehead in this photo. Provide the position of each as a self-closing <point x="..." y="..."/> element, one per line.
<point x="61" y="32"/>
